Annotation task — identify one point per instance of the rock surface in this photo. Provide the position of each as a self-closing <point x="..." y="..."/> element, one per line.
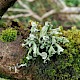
<point x="10" y="55"/>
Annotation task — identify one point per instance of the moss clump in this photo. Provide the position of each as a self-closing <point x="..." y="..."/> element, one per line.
<point x="73" y="35"/>
<point x="8" y="35"/>
<point x="61" y="67"/>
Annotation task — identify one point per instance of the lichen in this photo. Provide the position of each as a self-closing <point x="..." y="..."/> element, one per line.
<point x="61" y="67"/>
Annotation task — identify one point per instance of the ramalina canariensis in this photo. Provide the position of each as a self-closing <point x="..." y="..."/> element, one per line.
<point x="42" y="42"/>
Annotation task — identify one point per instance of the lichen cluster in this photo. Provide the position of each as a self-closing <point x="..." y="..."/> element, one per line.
<point x="61" y="67"/>
<point x="44" y="42"/>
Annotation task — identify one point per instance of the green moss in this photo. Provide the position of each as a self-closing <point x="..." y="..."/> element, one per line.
<point x="73" y="35"/>
<point x="8" y="35"/>
<point x="72" y="2"/>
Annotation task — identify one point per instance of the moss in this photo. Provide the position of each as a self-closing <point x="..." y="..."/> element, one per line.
<point x="8" y="35"/>
<point x="73" y="35"/>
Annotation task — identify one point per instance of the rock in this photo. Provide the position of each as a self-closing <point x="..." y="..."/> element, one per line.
<point x="10" y="55"/>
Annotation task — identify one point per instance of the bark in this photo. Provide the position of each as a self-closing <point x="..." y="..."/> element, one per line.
<point x="4" y="5"/>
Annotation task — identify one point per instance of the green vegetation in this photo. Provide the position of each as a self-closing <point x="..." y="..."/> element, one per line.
<point x="60" y="67"/>
<point x="65" y="66"/>
<point x="44" y="42"/>
<point x="8" y="35"/>
<point x="51" y="54"/>
<point x="72" y="2"/>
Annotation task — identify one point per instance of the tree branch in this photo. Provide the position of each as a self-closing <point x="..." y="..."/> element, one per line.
<point x="4" y="5"/>
<point x="26" y="11"/>
<point x="34" y="15"/>
<point x="16" y="16"/>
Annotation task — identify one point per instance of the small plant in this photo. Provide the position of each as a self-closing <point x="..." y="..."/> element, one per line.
<point x="44" y="42"/>
<point x="8" y="35"/>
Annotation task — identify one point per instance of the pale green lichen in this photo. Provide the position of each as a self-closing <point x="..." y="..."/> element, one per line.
<point x="45" y="42"/>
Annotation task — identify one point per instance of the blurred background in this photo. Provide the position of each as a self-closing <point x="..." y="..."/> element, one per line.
<point x="59" y="12"/>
